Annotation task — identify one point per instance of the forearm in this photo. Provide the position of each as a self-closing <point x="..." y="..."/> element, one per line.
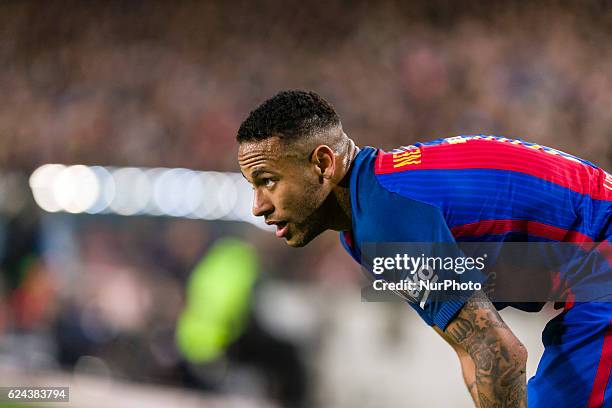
<point x="468" y="369"/>
<point x="469" y="377"/>
<point x="499" y="359"/>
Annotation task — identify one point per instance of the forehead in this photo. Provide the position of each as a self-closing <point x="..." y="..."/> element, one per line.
<point x="253" y="153"/>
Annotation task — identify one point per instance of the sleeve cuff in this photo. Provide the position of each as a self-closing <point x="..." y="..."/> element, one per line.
<point x="447" y="313"/>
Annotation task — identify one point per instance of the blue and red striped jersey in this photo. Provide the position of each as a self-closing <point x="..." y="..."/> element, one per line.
<point x="477" y="188"/>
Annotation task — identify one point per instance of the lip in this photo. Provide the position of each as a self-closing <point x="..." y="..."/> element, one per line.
<point x="281" y="229"/>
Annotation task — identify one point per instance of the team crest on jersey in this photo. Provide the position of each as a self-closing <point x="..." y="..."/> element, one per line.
<point x="407" y="157"/>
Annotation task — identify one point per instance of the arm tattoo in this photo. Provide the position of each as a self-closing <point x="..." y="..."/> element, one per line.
<point x="498" y="356"/>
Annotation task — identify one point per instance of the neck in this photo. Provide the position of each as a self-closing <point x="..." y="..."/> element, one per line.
<point x="342" y="219"/>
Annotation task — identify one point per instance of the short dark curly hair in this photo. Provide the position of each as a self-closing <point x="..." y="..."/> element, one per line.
<point x="289" y="115"/>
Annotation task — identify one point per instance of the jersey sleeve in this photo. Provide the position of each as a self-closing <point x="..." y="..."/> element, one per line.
<point x="397" y="224"/>
<point x="383" y="219"/>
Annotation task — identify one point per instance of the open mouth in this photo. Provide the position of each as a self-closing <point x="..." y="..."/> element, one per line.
<point x="281" y="229"/>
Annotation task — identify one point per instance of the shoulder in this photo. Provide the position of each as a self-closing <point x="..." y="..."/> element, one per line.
<point x="385" y="215"/>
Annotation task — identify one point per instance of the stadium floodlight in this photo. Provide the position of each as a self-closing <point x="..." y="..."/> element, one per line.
<point x="169" y="192"/>
<point x="208" y="205"/>
<point x="42" y="183"/>
<point x="226" y="195"/>
<point x="132" y="191"/>
<point x="76" y="188"/>
<point x="152" y="207"/>
<point x="106" y="192"/>
<point x="244" y="198"/>
<point x="129" y="191"/>
<point x="194" y="193"/>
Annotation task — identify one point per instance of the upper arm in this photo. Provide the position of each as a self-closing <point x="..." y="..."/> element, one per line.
<point x="401" y="225"/>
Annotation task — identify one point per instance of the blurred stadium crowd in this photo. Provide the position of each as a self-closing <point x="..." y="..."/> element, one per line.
<point x="143" y="83"/>
<point x="157" y="84"/>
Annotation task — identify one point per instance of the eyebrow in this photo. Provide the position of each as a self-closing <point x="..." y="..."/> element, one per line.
<point x="255" y="173"/>
<point x="258" y="172"/>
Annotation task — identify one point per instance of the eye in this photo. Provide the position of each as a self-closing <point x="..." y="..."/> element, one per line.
<point x="268" y="182"/>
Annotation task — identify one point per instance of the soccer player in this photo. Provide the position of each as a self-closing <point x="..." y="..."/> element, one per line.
<point x="308" y="176"/>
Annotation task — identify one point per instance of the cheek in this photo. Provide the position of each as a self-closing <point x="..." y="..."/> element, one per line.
<point x="300" y="199"/>
<point x="291" y="198"/>
<point x="311" y="198"/>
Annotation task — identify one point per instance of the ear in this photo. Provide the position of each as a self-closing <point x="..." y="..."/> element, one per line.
<point x="324" y="160"/>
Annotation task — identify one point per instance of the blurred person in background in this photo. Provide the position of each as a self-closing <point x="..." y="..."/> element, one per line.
<point x="218" y="324"/>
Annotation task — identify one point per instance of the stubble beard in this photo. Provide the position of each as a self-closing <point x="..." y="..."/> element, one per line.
<point x="313" y="219"/>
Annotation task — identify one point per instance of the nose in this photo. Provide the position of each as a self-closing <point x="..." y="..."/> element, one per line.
<point x="261" y="204"/>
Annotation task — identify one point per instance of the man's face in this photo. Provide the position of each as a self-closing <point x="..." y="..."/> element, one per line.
<point x="287" y="189"/>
